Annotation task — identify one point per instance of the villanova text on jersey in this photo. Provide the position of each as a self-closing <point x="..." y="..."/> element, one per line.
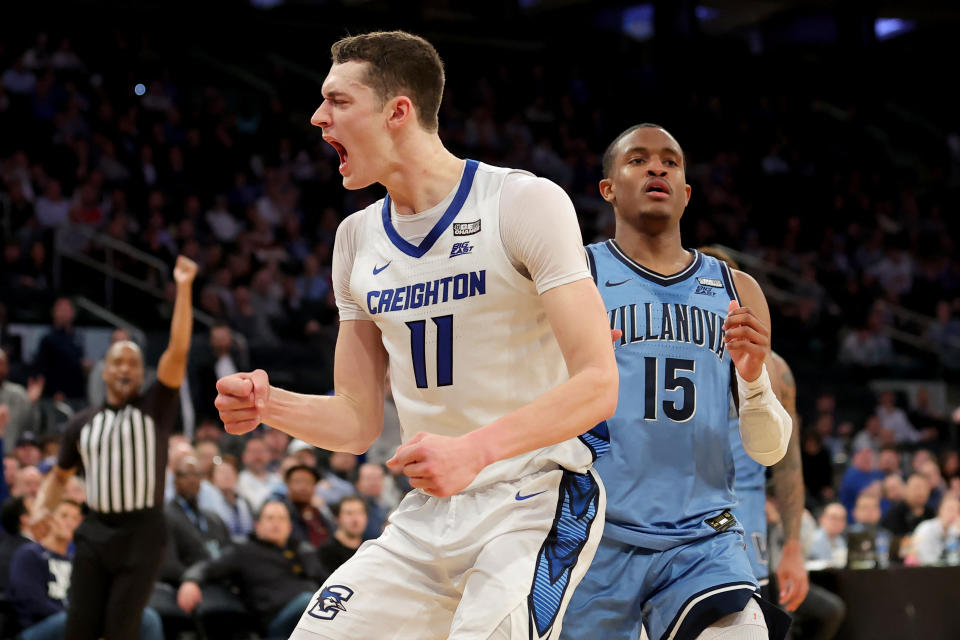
<point x="669" y="472"/>
<point x="678" y="322"/>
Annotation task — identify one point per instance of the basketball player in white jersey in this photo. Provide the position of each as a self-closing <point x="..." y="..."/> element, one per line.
<point x="469" y="281"/>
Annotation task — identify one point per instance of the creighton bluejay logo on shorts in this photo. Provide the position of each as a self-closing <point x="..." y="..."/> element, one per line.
<point x="330" y="602"/>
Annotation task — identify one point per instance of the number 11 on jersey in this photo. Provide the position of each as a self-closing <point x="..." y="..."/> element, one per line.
<point x="418" y="339"/>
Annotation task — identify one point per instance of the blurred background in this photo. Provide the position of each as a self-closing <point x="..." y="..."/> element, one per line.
<point x="823" y="148"/>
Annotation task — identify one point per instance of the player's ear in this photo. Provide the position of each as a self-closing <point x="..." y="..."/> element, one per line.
<point x="606" y="190"/>
<point x="687" y="188"/>
<point x="399" y="111"/>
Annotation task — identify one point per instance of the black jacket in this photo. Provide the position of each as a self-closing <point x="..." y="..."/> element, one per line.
<point x="268" y="576"/>
<point x="190" y="538"/>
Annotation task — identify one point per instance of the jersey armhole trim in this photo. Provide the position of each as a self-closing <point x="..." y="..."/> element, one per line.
<point x="592" y="263"/>
<point x="728" y="281"/>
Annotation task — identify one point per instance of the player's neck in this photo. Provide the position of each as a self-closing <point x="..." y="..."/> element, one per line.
<point x="423" y="175"/>
<point x="661" y="252"/>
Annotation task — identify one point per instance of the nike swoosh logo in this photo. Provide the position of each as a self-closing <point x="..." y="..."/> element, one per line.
<point x="617" y="284"/>
<point x="520" y="497"/>
<point x="377" y="269"/>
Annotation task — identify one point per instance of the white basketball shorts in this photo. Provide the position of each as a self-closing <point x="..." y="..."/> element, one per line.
<point x="500" y="561"/>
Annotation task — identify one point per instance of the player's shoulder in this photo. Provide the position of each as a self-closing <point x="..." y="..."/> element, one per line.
<point x="522" y="184"/>
<point x="350" y="227"/>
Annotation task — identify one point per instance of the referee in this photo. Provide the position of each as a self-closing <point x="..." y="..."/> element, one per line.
<point x="122" y="446"/>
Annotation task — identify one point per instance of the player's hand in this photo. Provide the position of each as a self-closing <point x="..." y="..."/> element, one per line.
<point x="440" y="465"/>
<point x="747" y="339"/>
<point x="792" y="576"/>
<point x="241" y="400"/>
<point x="189" y="596"/>
<point x="185" y="270"/>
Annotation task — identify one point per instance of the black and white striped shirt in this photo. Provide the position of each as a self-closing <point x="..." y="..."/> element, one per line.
<point x="123" y="450"/>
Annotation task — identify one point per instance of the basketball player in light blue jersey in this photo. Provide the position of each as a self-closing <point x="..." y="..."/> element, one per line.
<point x="787" y="476"/>
<point x="692" y="331"/>
<point x="468" y="281"/>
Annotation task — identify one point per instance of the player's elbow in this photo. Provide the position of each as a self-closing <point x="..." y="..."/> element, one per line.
<point x="606" y="389"/>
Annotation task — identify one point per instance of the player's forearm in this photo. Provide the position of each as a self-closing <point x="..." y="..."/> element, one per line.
<point x="334" y="423"/>
<point x="789" y="491"/>
<point x="567" y="411"/>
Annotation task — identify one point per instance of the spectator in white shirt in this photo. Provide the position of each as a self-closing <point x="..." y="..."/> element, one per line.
<point x="255" y="482"/>
<point x="931" y="537"/>
<point x="829" y="543"/>
<point x="894" y="418"/>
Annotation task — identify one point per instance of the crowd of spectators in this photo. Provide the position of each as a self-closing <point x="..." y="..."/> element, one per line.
<point x="256" y="523"/>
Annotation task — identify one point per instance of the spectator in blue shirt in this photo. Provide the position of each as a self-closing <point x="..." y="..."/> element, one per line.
<point x="40" y="580"/>
<point x="859" y="475"/>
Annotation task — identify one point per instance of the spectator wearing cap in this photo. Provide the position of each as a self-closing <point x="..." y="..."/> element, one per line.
<point x="859" y="475"/>
<point x="27" y="450"/>
<point x="23" y="414"/>
<point x="307" y="516"/>
<point x="904" y="516"/>
<point x="351" y="518"/>
<point x="232" y="508"/>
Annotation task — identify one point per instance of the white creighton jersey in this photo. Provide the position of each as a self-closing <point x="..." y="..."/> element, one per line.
<point x="467" y="335"/>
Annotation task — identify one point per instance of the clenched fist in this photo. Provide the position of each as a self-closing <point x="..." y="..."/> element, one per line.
<point x="242" y="399"/>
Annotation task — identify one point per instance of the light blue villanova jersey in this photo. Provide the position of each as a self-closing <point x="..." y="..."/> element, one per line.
<point x="751" y="475"/>
<point x="669" y="472"/>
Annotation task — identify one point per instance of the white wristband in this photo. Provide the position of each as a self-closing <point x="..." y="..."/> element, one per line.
<point x="765" y="425"/>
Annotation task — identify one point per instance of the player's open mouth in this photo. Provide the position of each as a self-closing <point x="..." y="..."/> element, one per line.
<point x="341" y="150"/>
<point x="658" y="189"/>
